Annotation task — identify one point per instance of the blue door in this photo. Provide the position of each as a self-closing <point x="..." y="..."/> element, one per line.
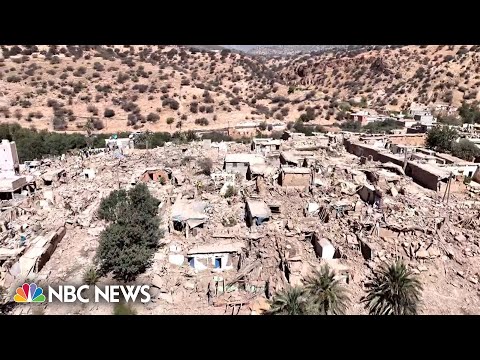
<point x="218" y="263"/>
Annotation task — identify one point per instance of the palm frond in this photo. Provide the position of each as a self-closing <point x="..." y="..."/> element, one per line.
<point x="326" y="292"/>
<point x="290" y="301"/>
<point x="393" y="291"/>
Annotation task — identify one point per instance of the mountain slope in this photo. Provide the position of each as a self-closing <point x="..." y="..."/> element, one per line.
<point x="167" y="88"/>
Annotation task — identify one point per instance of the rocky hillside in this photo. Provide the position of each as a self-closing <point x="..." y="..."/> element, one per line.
<point x="287" y="50"/>
<point x="392" y="78"/>
<point x="167" y="88"/>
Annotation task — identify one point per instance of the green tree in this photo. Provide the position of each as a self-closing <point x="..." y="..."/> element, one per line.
<point x="108" y="206"/>
<point x="290" y="301"/>
<point x="393" y="291"/>
<point x="327" y="293"/>
<point x="450" y="120"/>
<point x="170" y="120"/>
<point x="469" y="113"/>
<point x="363" y="102"/>
<point x="344" y="106"/>
<point x="127" y="245"/>
<point x="231" y="191"/>
<point x="205" y="165"/>
<point x="262" y="126"/>
<point x="465" y="149"/>
<point x="123" y="309"/>
<point x="351" y="125"/>
<point x="441" y="138"/>
<point x="300" y="127"/>
<point x="381" y="126"/>
<point x="91" y="276"/>
<point x="3" y="293"/>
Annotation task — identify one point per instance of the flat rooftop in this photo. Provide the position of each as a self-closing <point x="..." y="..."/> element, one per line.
<point x="244" y="158"/>
<point x="453" y="159"/>
<point x="432" y="169"/>
<point x="296" y="170"/>
<point x="220" y="247"/>
<point x="12" y="183"/>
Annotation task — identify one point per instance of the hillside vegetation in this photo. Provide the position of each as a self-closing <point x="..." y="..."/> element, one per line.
<point x="172" y="88"/>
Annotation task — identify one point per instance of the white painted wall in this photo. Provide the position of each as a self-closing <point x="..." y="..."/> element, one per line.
<point x="8" y="157"/>
<point x="464" y="169"/>
<point x="209" y="259"/>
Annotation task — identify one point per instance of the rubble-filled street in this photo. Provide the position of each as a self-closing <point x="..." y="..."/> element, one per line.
<point x="243" y="221"/>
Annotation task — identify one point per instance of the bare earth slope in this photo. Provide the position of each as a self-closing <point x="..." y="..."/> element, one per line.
<point x="60" y="87"/>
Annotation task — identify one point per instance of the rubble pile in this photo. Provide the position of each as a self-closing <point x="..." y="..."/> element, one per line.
<point x="228" y="252"/>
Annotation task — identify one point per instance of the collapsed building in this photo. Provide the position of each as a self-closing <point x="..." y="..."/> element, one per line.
<point x="349" y="205"/>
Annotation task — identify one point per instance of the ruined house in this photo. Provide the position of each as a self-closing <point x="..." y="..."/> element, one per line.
<point x="223" y="255"/>
<point x="9" y="163"/>
<point x="239" y="163"/>
<point x="298" y="158"/>
<point x="10" y="179"/>
<point x="123" y="143"/>
<point x="256" y="212"/>
<point x="261" y="170"/>
<point x="188" y="215"/>
<point x="88" y="173"/>
<point x="323" y="247"/>
<point x="295" y="176"/>
<point x="155" y="175"/>
<point x="289" y="135"/>
<point x="428" y="175"/>
<point x="12" y="185"/>
<point x="53" y="177"/>
<point x="265" y="145"/>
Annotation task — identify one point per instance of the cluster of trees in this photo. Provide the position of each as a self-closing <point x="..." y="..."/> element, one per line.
<point x="33" y="144"/>
<point x="371" y="128"/>
<point x="470" y="113"/>
<point x="381" y="126"/>
<point x="351" y="125"/>
<point x="444" y="139"/>
<point x="300" y="127"/>
<point x="394" y="290"/>
<point x="127" y="245"/>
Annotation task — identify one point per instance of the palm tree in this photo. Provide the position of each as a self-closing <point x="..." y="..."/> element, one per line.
<point x="290" y="301"/>
<point x="393" y="291"/>
<point x="329" y="297"/>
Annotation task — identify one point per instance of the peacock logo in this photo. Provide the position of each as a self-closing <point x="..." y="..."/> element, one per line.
<point x="29" y="293"/>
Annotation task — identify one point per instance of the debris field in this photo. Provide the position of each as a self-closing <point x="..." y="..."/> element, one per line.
<point x="260" y="219"/>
